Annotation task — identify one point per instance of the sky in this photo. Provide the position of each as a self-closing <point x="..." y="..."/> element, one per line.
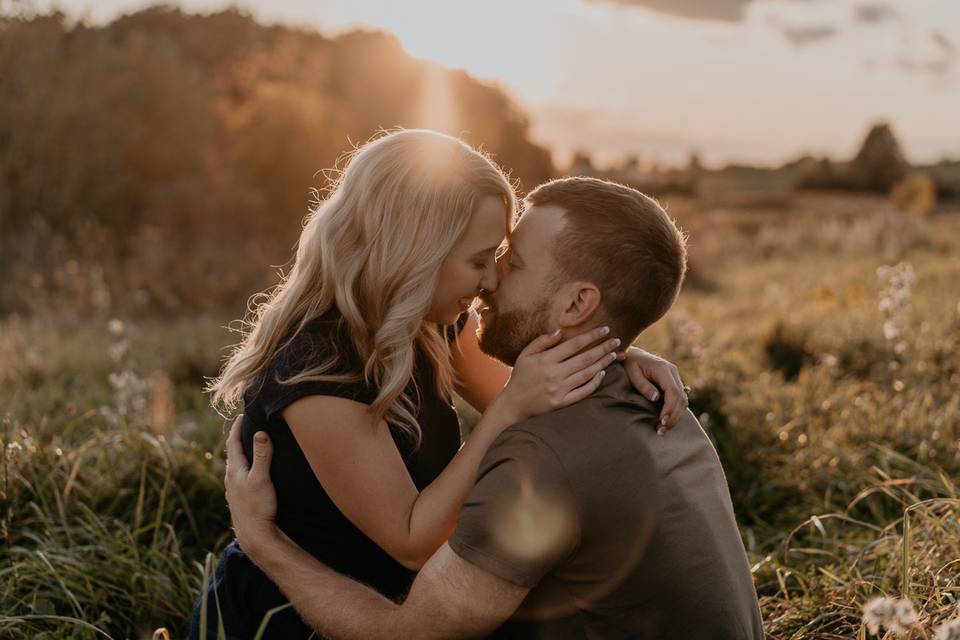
<point x="758" y="81"/>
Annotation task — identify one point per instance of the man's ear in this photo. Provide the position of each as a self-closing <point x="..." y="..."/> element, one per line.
<point x="581" y="300"/>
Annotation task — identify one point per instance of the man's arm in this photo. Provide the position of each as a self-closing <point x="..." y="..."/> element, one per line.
<point x="450" y="597"/>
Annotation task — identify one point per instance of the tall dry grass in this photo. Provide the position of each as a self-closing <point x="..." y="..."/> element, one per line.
<point x="829" y="386"/>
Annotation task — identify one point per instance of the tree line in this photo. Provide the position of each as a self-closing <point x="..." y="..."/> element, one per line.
<point x="178" y="152"/>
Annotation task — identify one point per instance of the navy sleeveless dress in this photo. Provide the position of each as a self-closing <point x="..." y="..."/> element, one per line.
<point x="239" y="589"/>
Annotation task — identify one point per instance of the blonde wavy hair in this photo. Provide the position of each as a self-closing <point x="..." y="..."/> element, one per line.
<point x="373" y="249"/>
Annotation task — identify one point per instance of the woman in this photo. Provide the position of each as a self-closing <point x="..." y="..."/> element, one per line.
<point x="348" y="370"/>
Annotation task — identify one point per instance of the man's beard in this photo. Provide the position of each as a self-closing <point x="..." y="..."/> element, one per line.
<point x="507" y="334"/>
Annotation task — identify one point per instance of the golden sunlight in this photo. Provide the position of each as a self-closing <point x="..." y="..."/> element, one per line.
<point x="437" y="106"/>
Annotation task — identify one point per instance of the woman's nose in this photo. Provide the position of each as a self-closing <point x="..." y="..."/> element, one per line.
<point x="491" y="277"/>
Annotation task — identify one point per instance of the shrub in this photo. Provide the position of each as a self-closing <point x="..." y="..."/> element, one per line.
<point x="787" y="349"/>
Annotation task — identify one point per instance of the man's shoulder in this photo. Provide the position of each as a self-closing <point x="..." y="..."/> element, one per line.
<point x="546" y="426"/>
<point x="544" y="437"/>
<point x="524" y="442"/>
<point x="616" y="407"/>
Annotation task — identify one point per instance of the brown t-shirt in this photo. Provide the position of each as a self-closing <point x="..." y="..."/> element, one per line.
<point x="619" y="532"/>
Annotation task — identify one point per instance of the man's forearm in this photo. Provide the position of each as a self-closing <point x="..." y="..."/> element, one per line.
<point x="335" y="605"/>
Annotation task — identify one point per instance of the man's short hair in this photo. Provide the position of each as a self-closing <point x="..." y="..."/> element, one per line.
<point x="623" y="242"/>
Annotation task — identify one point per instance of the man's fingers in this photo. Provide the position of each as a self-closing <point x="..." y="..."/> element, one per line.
<point x="235" y="457"/>
<point x="576" y="344"/>
<point x="262" y="454"/>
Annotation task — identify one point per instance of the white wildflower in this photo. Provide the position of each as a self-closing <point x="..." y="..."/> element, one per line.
<point x="949" y="630"/>
<point x="118" y="350"/>
<point x="110" y="415"/>
<point x="896" y="284"/>
<point x="129" y="397"/>
<point x="904" y="617"/>
<point x="876" y="613"/>
<point x="685" y="334"/>
<point x="891" y="331"/>
<point x="896" y="616"/>
<point x="116" y="327"/>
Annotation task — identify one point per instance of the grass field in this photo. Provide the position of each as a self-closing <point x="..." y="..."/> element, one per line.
<point x="831" y="389"/>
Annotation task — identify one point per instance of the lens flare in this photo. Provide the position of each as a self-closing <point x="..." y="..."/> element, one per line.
<point x="535" y="525"/>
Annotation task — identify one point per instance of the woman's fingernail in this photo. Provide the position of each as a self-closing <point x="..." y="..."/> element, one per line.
<point x="260" y="437"/>
<point x="603" y="372"/>
<point x="654" y="396"/>
<point x="661" y="431"/>
<point x="616" y="342"/>
<point x="605" y="330"/>
<point x="555" y="333"/>
<point x="663" y="420"/>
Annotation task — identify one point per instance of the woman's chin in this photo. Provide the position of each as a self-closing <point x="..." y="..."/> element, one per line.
<point x="443" y="317"/>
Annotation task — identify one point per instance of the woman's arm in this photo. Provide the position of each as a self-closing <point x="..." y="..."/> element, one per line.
<point x="354" y="456"/>
<point x="356" y="460"/>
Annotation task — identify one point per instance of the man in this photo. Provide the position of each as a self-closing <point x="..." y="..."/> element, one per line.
<point x="584" y="523"/>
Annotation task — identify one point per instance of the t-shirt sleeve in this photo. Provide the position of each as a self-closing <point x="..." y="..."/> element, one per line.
<point x="305" y="351"/>
<point x="520" y="521"/>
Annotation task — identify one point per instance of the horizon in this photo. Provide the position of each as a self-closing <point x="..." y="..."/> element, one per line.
<point x="828" y="66"/>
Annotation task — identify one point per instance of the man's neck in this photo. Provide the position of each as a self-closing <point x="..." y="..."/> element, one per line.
<point x="572" y="332"/>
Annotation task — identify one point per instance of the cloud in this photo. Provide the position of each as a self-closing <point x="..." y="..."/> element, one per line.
<point x="714" y="10"/>
<point x="932" y="66"/>
<point x="943" y="43"/>
<point x="803" y="35"/>
<point x="941" y="58"/>
<point x="873" y="13"/>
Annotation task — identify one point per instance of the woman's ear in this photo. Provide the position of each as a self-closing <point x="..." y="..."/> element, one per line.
<point x="582" y="299"/>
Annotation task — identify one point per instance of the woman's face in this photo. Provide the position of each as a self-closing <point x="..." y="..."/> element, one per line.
<point x="471" y="264"/>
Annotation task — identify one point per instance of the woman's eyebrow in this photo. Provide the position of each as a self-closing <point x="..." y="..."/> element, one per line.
<point x="483" y="251"/>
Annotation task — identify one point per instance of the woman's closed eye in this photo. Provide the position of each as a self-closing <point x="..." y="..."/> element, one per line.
<point x="483" y="261"/>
